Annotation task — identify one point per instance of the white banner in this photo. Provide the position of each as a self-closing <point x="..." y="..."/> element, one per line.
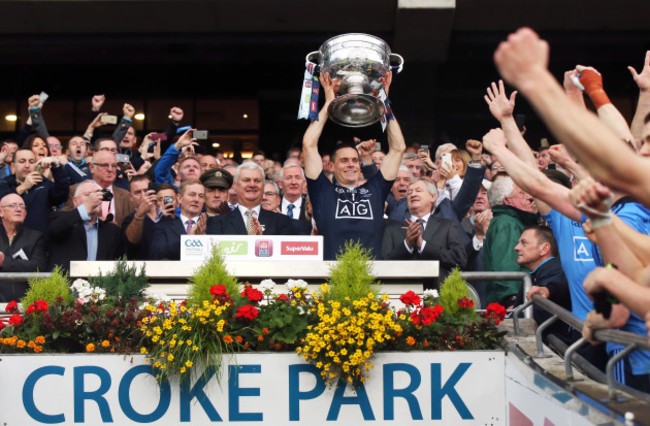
<point x="253" y="247"/>
<point x="451" y="388"/>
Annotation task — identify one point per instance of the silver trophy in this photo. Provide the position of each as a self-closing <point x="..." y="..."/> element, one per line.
<point x="357" y="64"/>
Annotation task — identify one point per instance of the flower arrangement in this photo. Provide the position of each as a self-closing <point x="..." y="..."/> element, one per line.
<point x="337" y="328"/>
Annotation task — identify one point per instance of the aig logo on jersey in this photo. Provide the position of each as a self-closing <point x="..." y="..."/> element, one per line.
<point x="346" y="209"/>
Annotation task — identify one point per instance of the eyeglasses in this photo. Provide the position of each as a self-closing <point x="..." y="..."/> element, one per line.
<point x="15" y="206"/>
<point x="107" y="165"/>
<point x="270" y="194"/>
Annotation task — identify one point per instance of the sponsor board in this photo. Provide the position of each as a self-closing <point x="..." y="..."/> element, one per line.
<point x="277" y="389"/>
<point x="252" y="247"/>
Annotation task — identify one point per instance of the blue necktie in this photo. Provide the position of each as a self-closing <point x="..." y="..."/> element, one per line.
<point x="290" y="208"/>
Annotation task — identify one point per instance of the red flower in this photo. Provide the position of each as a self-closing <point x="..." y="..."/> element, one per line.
<point x="41" y="305"/>
<point x="282" y="297"/>
<point x="31" y="309"/>
<point x="496" y="312"/>
<point x="427" y="315"/>
<point x="248" y="312"/>
<point x="410" y="298"/>
<point x="12" y="307"/>
<point x="15" y="320"/>
<point x="217" y="290"/>
<point x="252" y="294"/>
<point x="2" y="324"/>
<point x="465" y="303"/>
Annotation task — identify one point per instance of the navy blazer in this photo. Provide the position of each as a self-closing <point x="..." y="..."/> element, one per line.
<point x="232" y="223"/>
<point x="166" y="239"/>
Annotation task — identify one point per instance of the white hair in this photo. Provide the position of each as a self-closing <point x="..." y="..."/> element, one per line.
<point x="444" y="147"/>
<point x="249" y="166"/>
<point x="287" y="165"/>
<point x="500" y="189"/>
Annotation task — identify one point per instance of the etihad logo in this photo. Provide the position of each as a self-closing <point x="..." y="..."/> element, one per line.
<point x="299" y="248"/>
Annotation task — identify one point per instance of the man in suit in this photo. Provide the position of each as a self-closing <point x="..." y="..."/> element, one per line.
<point x="249" y="217"/>
<point x="21" y="249"/>
<point x="292" y="182"/>
<point x="104" y="171"/>
<point x="424" y="236"/>
<point x="79" y="234"/>
<point x="39" y="193"/>
<point x="166" y="238"/>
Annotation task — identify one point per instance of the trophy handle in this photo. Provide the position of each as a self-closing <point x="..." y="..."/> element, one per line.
<point x="400" y="62"/>
<point x="313" y="57"/>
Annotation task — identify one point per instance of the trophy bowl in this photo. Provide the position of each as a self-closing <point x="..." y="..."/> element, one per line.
<point x="357" y="64"/>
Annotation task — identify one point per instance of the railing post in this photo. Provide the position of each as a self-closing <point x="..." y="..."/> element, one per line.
<point x="515" y="315"/>
<point x="569" y="354"/>
<point x="538" y="337"/>
<point x="610" y="369"/>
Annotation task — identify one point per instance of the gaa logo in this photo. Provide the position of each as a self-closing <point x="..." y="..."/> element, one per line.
<point x="193" y="243"/>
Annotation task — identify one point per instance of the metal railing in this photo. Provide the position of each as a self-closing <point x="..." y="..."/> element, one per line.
<point x="524" y="277"/>
<point x="630" y="341"/>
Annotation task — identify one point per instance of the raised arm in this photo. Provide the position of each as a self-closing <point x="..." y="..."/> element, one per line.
<point x="396" y="143"/>
<point x="312" y="159"/>
<point x="572" y="91"/>
<point x="592" y="81"/>
<point x="522" y="60"/>
<point x="502" y="108"/>
<point x="548" y="194"/>
<point x="642" y="80"/>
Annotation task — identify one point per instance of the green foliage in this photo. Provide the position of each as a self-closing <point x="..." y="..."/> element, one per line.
<point x="212" y="272"/>
<point x="352" y="276"/>
<point x="49" y="289"/>
<point x="451" y="290"/>
<point x="283" y="320"/>
<point x="124" y="282"/>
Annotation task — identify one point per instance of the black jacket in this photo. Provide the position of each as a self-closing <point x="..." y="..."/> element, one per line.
<point x="66" y="238"/>
<point x="32" y="244"/>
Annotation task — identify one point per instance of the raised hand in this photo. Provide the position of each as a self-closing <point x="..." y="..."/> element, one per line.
<point x="522" y="57"/>
<point x="34" y="101"/>
<point x="494" y="139"/>
<point x="327" y="84"/>
<point x="500" y="105"/>
<point x="475" y="148"/>
<point x="642" y="79"/>
<point x="176" y="114"/>
<point x="97" y="102"/>
<point x="591" y="198"/>
<point x="128" y="111"/>
<point x="185" y="140"/>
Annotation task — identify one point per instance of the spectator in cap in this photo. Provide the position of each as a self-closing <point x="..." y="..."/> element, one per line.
<point x="216" y="182"/>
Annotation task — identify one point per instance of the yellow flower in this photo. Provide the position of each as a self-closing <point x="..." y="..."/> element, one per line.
<point x="182" y="370"/>
<point x="106" y="343"/>
<point x="189" y="364"/>
<point x="144" y="350"/>
<point x="170" y="357"/>
<point x="90" y="347"/>
<point x="195" y="348"/>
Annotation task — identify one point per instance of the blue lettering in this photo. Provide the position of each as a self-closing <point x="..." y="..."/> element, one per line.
<point x="28" y="395"/>
<point x="125" y="401"/>
<point x="235" y="392"/>
<point x="339" y="399"/>
<point x="187" y="395"/>
<point x="390" y="393"/>
<point x="295" y="396"/>
<point x="438" y="391"/>
<point x="80" y="395"/>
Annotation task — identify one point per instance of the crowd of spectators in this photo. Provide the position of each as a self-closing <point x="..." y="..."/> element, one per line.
<point x="566" y="213"/>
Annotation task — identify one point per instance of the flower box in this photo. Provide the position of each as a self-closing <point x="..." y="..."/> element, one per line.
<point x="465" y="387"/>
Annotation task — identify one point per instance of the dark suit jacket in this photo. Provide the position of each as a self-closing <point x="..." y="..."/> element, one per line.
<point x="166" y="239"/>
<point x="32" y="243"/>
<point x="232" y="223"/>
<point x="443" y="243"/>
<point x="67" y="239"/>
<point x="123" y="204"/>
<point x="299" y="224"/>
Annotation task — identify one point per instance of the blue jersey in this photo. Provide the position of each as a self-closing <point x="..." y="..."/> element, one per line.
<point x="577" y="258"/>
<point x="344" y="214"/>
<point x="637" y="217"/>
